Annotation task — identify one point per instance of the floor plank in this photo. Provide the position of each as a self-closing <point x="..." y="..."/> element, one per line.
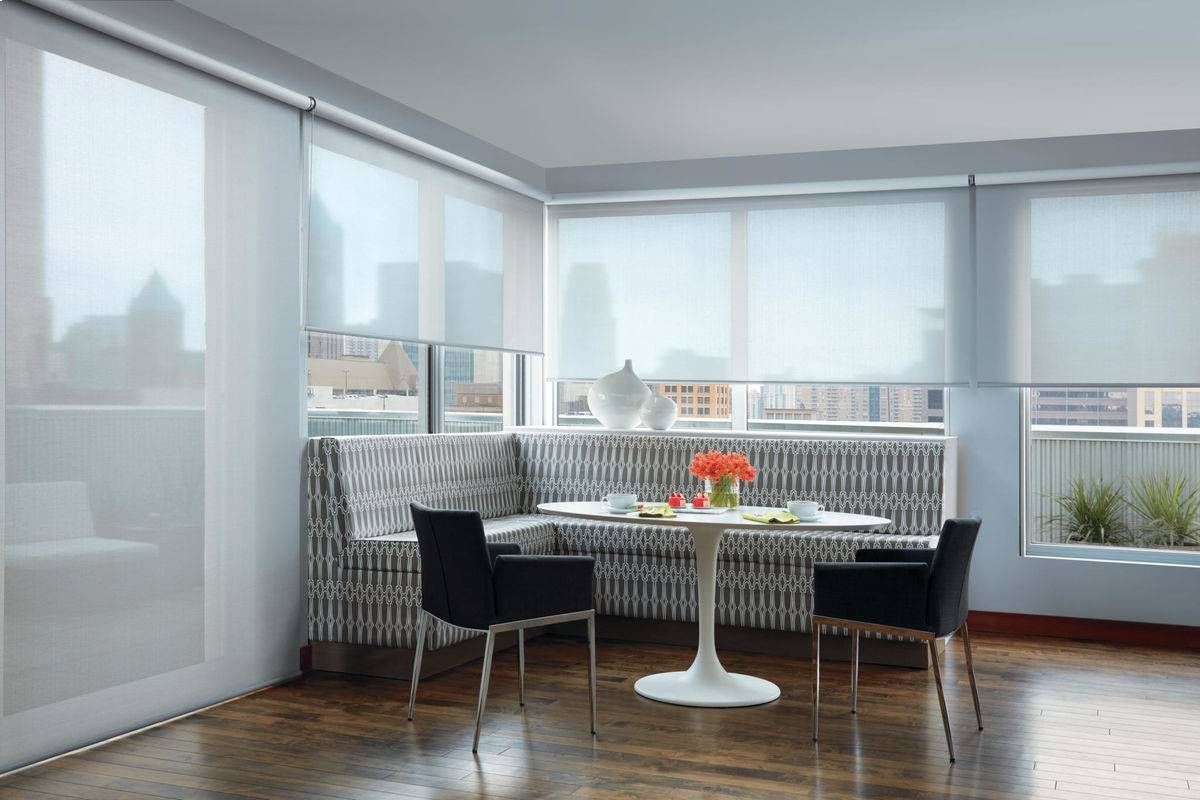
<point x="1063" y="720"/>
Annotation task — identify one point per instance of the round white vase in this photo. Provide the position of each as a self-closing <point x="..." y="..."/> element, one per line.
<point x="617" y="398"/>
<point x="659" y="413"/>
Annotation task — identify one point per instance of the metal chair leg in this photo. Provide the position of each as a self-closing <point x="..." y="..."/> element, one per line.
<point x="937" y="677"/>
<point x="488" y="648"/>
<point x="971" y="673"/>
<point x="591" y="628"/>
<point x="816" y="677"/>
<point x="854" y="671"/>
<point x="521" y="666"/>
<point x="422" y="625"/>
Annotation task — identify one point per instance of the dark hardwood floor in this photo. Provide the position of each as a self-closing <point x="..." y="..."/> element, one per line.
<point x="1063" y="720"/>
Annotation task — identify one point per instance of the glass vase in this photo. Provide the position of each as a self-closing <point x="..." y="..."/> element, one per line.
<point x="723" y="492"/>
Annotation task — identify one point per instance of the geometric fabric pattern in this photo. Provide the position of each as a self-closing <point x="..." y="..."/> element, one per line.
<point x="364" y="583"/>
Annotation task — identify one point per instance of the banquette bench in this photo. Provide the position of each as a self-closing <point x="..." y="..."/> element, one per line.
<point x="364" y="572"/>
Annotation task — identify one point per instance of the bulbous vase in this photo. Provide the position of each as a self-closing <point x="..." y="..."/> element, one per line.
<point x="617" y="398"/>
<point x="659" y="413"/>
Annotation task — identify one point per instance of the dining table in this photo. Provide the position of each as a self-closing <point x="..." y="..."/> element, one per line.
<point x="706" y="683"/>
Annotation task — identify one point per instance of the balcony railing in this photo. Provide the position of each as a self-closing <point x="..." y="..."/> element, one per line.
<point x="1059" y="455"/>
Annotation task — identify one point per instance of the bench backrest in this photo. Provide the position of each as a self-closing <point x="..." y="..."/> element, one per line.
<point x="901" y="479"/>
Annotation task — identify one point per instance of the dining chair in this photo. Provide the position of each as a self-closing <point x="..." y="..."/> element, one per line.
<point x="492" y="589"/>
<point x="917" y="594"/>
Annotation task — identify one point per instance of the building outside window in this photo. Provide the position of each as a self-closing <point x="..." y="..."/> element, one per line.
<point x="358" y="385"/>
<point x="472" y="390"/>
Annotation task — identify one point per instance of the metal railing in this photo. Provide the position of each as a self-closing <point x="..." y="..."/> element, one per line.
<point x="1059" y="456"/>
<point x="341" y="422"/>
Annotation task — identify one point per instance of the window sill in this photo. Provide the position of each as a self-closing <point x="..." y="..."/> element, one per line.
<point x="1186" y="557"/>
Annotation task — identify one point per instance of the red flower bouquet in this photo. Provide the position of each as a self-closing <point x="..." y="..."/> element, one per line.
<point x="721" y="473"/>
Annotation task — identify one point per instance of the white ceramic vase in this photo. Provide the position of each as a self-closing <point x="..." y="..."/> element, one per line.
<point x="617" y="398"/>
<point x="659" y="413"/>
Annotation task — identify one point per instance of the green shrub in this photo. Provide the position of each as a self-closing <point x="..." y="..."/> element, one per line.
<point x="1091" y="512"/>
<point x="1170" y="513"/>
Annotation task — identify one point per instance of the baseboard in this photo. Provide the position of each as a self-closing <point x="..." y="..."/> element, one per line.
<point x="396" y="662"/>
<point x="1144" y="634"/>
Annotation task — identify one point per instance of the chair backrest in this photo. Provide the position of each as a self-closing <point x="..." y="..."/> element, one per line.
<point x="456" y="573"/>
<point x="947" y="603"/>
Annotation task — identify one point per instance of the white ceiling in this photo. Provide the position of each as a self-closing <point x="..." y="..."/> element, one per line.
<point x="577" y="82"/>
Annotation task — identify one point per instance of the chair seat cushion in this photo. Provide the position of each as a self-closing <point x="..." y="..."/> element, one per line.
<point x="83" y="553"/>
<point x="398" y="552"/>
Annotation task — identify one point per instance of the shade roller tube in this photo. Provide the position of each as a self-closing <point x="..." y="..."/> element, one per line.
<point x="400" y="247"/>
<point x="1090" y="282"/>
<point x="868" y="287"/>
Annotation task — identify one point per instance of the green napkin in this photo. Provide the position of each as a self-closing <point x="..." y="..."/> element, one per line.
<point x="773" y="517"/>
<point x="656" y="512"/>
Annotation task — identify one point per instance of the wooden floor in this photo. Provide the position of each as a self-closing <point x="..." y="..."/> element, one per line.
<point x="1063" y="720"/>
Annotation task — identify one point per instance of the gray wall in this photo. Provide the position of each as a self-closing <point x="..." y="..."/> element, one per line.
<point x="988" y="424"/>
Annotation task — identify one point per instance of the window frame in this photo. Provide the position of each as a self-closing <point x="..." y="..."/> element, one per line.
<point x="740" y="421"/>
<point x="1110" y="554"/>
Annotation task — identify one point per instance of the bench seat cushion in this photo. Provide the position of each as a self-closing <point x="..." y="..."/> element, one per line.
<point x="398" y="552"/>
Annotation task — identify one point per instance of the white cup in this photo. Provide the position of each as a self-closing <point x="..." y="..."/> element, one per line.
<point x="622" y="501"/>
<point x="806" y="509"/>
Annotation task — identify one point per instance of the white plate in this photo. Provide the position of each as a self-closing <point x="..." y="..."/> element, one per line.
<point x="609" y="509"/>
<point x="710" y="510"/>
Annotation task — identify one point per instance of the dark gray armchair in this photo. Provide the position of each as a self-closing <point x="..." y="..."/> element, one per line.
<point x="492" y="589"/>
<point x="918" y="594"/>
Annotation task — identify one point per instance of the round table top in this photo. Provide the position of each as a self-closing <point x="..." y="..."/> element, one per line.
<point x="828" y="521"/>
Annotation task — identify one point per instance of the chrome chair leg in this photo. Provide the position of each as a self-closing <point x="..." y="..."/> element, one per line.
<point x="937" y="677"/>
<point x="422" y="625"/>
<point x="971" y="673"/>
<point x="591" y="628"/>
<point x="816" y="677"/>
<point x="854" y="671"/>
<point x="521" y="666"/>
<point x="488" y="648"/>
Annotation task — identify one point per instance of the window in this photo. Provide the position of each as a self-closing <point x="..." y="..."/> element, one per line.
<point x="790" y="406"/>
<point x="358" y="385"/>
<point x="473" y="383"/>
<point x="705" y="406"/>
<point x="1113" y="472"/>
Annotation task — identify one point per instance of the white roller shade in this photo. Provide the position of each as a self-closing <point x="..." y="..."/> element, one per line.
<point x="150" y="562"/>
<point x="1090" y="282"/>
<point x="403" y="248"/>
<point x="863" y="287"/>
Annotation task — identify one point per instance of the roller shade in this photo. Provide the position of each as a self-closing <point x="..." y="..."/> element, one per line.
<point x="400" y="247"/>
<point x="870" y="287"/>
<point x="1090" y="282"/>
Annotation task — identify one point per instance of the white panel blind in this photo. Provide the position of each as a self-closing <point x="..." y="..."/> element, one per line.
<point x="864" y="287"/>
<point x="1090" y="282"/>
<point x="149" y="560"/>
<point x="403" y="248"/>
<point x="653" y="287"/>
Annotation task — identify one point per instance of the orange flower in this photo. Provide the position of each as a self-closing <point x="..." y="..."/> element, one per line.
<point x="714" y="465"/>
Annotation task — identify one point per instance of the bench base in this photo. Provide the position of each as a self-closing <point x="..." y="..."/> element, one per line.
<point x="396" y="662"/>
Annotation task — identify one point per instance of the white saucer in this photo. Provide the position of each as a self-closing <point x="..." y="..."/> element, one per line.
<point x="612" y="510"/>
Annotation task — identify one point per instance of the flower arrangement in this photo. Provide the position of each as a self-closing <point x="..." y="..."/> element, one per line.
<point x="721" y="473"/>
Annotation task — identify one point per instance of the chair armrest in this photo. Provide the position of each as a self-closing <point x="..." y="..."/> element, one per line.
<point x="542" y="586"/>
<point x="883" y="594"/>
<point x="895" y="555"/>
<point x="497" y="549"/>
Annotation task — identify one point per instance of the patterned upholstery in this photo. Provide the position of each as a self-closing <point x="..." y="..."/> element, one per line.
<point x="364" y="574"/>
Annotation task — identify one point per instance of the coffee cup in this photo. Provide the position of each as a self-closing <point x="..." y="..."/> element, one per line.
<point x="620" y="500"/>
<point x="806" y="509"/>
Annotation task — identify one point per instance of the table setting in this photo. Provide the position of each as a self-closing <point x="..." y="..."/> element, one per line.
<point x="706" y="516"/>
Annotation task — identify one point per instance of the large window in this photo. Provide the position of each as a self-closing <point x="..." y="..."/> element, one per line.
<point x="706" y="406"/>
<point x="358" y="385"/>
<point x="779" y="407"/>
<point x="473" y="383"/>
<point x="1113" y="472"/>
<point x="794" y="406"/>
